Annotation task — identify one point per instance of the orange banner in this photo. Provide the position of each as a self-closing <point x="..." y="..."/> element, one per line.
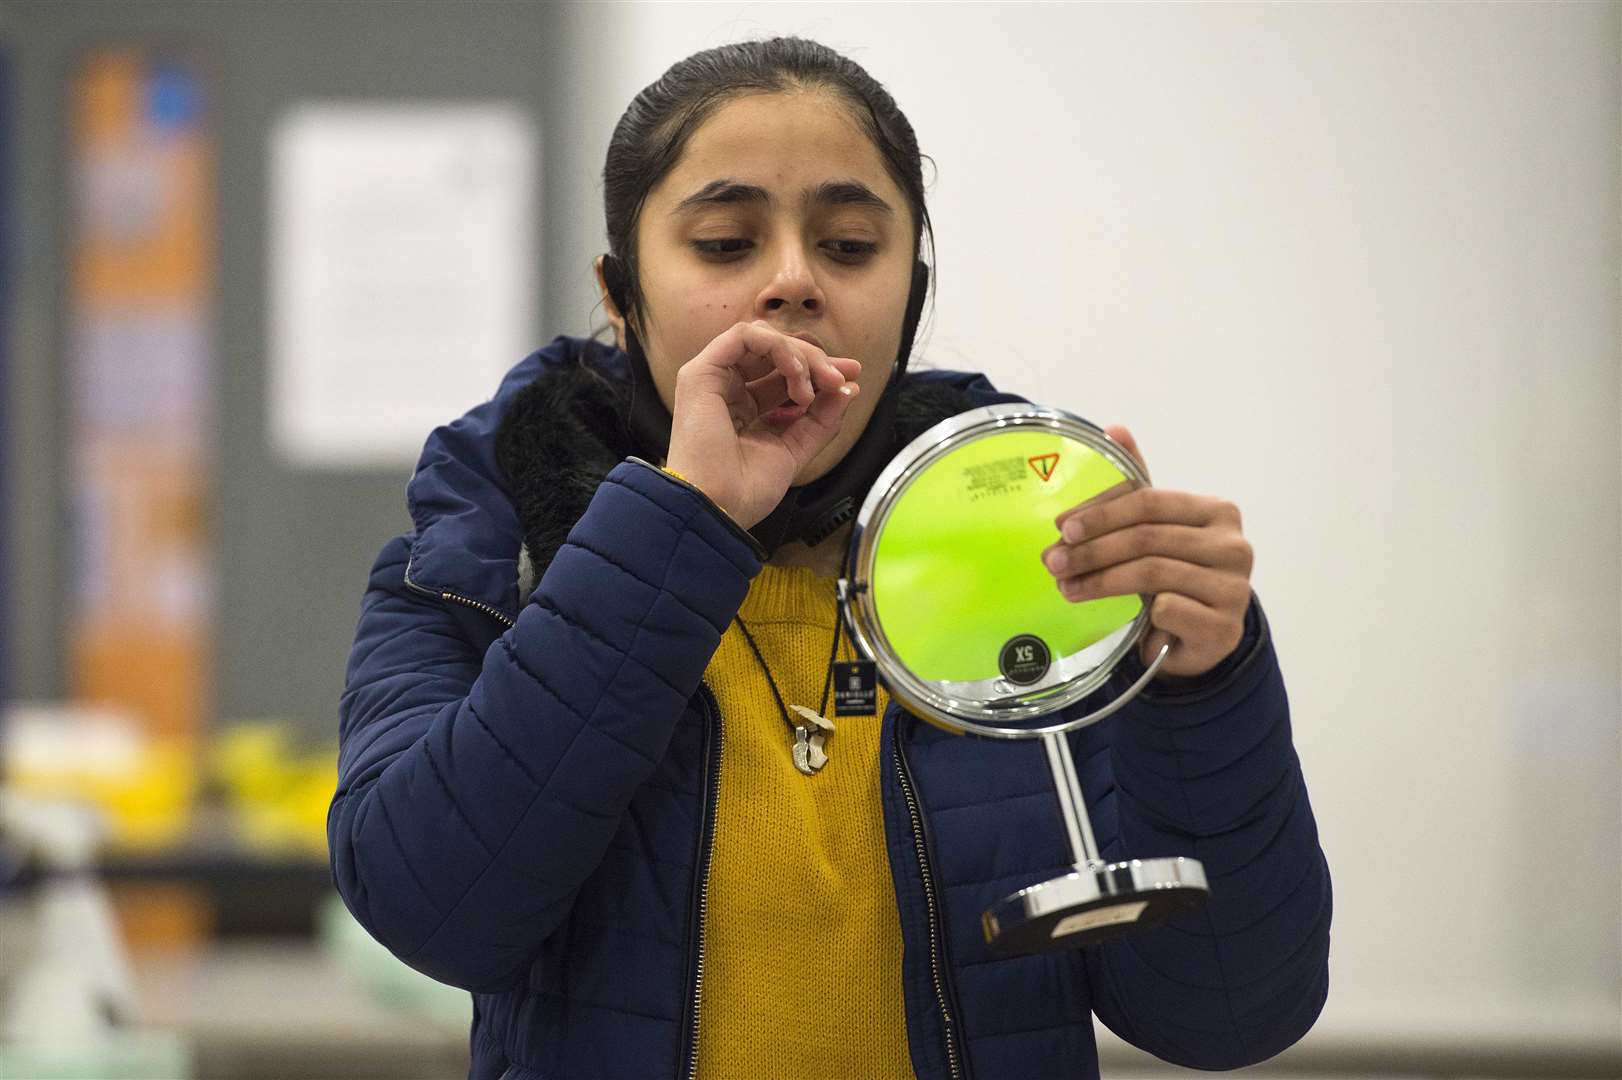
<point x="140" y="357"/>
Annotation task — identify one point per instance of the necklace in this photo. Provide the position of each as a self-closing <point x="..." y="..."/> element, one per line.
<point x="811" y="731"/>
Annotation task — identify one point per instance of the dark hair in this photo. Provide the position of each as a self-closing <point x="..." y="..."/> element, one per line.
<point x="650" y="137"/>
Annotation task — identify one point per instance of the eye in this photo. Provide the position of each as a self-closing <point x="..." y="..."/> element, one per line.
<point x="723" y="250"/>
<point x="850" y="251"/>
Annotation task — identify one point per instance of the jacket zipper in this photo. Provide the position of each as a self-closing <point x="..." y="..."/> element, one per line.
<point x="501" y="617"/>
<point x="941" y="998"/>
<point x="701" y="877"/>
<point x="478" y="605"/>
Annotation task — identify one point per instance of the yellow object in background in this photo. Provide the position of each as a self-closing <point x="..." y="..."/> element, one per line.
<point x="277" y="796"/>
<point x="143" y="786"/>
<point x="148" y="789"/>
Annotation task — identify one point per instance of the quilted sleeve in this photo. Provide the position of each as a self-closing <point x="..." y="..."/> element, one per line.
<point x="1212" y="773"/>
<point x="476" y="792"/>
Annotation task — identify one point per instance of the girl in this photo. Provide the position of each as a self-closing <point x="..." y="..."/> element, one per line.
<point x="566" y="779"/>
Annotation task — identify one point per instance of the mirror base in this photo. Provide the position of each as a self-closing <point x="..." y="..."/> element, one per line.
<point x="1087" y="906"/>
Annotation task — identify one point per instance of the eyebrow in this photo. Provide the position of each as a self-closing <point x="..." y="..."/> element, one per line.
<point x="829" y="192"/>
<point x="848" y="193"/>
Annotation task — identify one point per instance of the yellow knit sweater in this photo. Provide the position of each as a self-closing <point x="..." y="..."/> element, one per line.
<point x="802" y="942"/>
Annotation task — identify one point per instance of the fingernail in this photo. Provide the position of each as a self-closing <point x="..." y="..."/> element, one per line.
<point x="1071" y="588"/>
<point x="1072" y="531"/>
<point x="848" y="389"/>
<point x="1054" y="561"/>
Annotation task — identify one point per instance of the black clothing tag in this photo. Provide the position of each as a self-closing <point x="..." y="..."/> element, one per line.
<point x="856" y="688"/>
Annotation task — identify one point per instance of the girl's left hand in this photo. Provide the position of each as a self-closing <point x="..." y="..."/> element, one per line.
<point x="1186" y="550"/>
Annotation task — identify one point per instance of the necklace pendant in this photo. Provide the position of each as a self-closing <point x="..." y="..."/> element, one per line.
<point x="817" y="755"/>
<point x="811" y="740"/>
<point x="815" y="720"/>
<point x="802" y="751"/>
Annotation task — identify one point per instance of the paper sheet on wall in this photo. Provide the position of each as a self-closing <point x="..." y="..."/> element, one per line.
<point x="402" y="273"/>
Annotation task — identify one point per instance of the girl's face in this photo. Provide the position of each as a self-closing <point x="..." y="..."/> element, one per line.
<point x="779" y="209"/>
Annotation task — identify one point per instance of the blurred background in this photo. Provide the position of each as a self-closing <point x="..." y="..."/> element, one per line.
<point x="1357" y="268"/>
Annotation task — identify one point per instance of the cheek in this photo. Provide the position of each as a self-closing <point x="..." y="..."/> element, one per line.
<point x="682" y="323"/>
<point x="872" y="325"/>
<point x="699" y="320"/>
<point x="707" y="313"/>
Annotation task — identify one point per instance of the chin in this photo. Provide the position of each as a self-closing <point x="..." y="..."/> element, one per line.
<point x="829" y="459"/>
<point x="816" y="470"/>
<point x="831" y="455"/>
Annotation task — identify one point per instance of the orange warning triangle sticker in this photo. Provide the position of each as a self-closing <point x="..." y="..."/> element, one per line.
<point x="1044" y="464"/>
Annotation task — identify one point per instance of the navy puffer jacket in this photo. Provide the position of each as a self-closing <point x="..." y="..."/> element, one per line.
<point x="528" y="767"/>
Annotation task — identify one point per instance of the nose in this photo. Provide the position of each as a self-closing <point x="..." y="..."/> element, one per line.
<point x="793" y="287"/>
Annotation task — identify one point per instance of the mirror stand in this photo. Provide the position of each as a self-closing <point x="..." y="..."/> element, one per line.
<point x="1096" y="901"/>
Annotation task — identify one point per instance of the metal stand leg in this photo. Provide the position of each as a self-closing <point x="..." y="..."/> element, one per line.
<point x="1072" y="807"/>
<point x="1093" y="902"/>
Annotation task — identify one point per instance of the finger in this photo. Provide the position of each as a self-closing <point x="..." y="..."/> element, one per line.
<point x="1189" y="620"/>
<point x="766" y="393"/>
<point x="837" y="371"/>
<point x="1153" y="642"/>
<point x="741" y="403"/>
<point x="1213" y="548"/>
<point x="772" y="389"/>
<point x="1149" y="504"/>
<point x="1156" y="574"/>
<point x="824" y="371"/>
<point x="1123" y="488"/>
<point x="1203" y="635"/>
<point x="825" y="375"/>
<point x="781" y="353"/>
<point x="1124" y="437"/>
<point x="744" y="352"/>
<point x="827" y="372"/>
<point x="811" y="432"/>
<point x="820" y="370"/>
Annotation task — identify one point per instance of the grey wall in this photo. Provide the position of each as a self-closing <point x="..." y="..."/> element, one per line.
<point x="293" y="547"/>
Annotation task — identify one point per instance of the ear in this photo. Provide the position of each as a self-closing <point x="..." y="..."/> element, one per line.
<point x="616" y="317"/>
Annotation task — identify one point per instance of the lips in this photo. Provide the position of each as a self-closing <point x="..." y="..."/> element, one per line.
<point x="784" y="414"/>
<point x="810" y="339"/>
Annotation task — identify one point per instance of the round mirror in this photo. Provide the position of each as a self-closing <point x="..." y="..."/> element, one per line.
<point x="945" y="589"/>
<point x="946" y="592"/>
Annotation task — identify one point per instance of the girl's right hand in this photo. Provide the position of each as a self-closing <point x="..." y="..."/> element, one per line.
<point x="721" y="440"/>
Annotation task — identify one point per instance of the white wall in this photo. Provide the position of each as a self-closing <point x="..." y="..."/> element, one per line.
<point x="1358" y="269"/>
